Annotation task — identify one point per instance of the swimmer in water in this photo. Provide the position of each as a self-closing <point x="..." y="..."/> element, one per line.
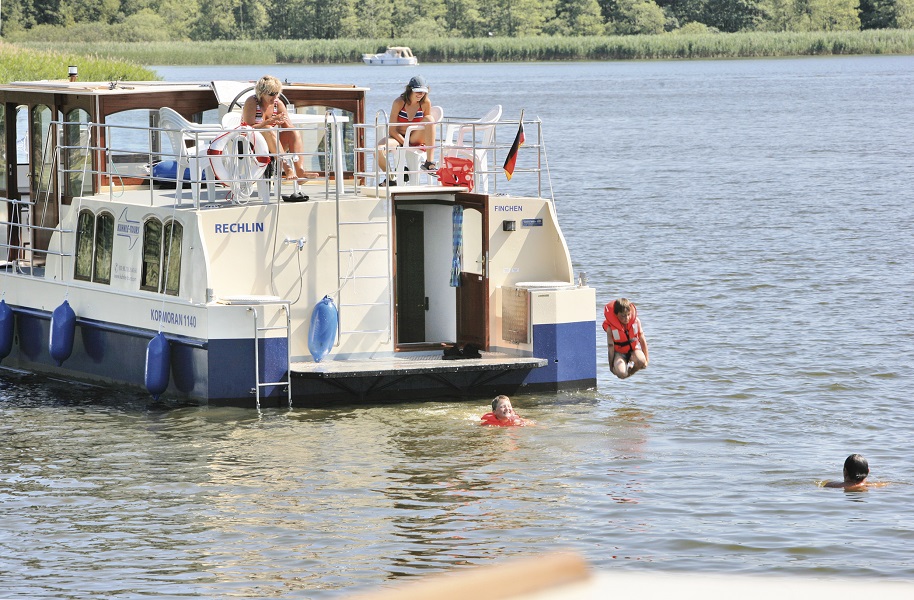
<point x="856" y="470"/>
<point x="502" y="414"/>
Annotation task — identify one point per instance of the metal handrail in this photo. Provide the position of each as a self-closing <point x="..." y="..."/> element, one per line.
<point x="496" y="152"/>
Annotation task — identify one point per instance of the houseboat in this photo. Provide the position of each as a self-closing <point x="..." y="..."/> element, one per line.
<point x="148" y="244"/>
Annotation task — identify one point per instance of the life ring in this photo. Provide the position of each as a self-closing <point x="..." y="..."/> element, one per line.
<point x="245" y="160"/>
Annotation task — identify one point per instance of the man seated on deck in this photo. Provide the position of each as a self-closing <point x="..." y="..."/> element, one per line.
<point x="503" y="414"/>
<point x="856" y="470"/>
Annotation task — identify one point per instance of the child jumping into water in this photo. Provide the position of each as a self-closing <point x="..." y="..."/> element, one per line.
<point x="627" y="346"/>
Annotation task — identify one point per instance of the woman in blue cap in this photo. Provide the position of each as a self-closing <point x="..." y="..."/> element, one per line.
<point x="410" y="107"/>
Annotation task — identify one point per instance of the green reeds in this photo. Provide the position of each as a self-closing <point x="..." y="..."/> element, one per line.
<point x="542" y="48"/>
<point x="21" y="64"/>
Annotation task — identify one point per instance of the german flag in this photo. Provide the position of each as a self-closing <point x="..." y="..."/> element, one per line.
<point x="512" y="154"/>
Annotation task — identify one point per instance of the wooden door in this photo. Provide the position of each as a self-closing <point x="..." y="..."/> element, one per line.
<point x="473" y="293"/>
<point x="411" y="300"/>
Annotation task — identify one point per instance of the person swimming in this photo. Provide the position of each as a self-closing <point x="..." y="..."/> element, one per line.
<point x="856" y="470"/>
<point x="502" y="414"/>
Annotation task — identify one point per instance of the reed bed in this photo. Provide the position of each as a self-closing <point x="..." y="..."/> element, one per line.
<point x="22" y="64"/>
<point x="543" y="48"/>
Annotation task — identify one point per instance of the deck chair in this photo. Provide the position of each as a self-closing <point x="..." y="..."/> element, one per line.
<point x="410" y="157"/>
<point x="190" y="142"/>
<point x="472" y="141"/>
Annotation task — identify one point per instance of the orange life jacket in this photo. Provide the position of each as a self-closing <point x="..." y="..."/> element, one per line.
<point x="490" y="419"/>
<point x="625" y="337"/>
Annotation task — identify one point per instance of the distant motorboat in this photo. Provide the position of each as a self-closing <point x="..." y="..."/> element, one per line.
<point x="393" y="56"/>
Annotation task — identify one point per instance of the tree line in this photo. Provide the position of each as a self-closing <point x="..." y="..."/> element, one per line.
<point x="208" y="20"/>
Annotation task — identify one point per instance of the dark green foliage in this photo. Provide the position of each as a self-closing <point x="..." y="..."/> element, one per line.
<point x="213" y="20"/>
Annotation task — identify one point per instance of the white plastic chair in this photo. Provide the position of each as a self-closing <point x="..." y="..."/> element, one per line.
<point x="473" y="141"/>
<point x="409" y="157"/>
<point x="179" y="131"/>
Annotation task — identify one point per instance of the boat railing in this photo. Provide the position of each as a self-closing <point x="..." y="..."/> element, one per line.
<point x="22" y="225"/>
<point x="118" y="158"/>
<point x="485" y="145"/>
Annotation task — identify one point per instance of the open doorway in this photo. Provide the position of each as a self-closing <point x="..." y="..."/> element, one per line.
<point x="440" y="265"/>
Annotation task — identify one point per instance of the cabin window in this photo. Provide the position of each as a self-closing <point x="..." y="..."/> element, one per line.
<point x="85" y="235"/>
<point x="42" y="152"/>
<point x="162" y="245"/>
<point x="315" y="141"/>
<point x="174" y="234"/>
<point x="94" y="240"/>
<point x="104" y="240"/>
<point x="76" y="140"/>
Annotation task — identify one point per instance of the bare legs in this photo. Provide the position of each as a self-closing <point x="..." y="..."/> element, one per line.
<point x="291" y="144"/>
<point x="291" y="141"/>
<point x="622" y="369"/>
<point x="420" y="138"/>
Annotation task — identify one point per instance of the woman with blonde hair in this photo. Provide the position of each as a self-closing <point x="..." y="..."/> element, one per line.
<point x="264" y="111"/>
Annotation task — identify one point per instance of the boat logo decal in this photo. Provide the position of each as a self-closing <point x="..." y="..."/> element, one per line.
<point x="128" y="229"/>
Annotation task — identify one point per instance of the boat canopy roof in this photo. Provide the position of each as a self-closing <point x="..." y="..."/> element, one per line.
<point x="403" y="51"/>
<point x="188" y="98"/>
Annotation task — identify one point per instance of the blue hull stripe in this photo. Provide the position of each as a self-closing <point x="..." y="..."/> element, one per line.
<point x="570" y="349"/>
<point x="217" y="370"/>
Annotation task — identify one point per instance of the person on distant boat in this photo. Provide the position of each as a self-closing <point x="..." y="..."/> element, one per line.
<point x="264" y="110"/>
<point x="856" y="470"/>
<point x="503" y="414"/>
<point x="410" y="107"/>
<point x="627" y="346"/>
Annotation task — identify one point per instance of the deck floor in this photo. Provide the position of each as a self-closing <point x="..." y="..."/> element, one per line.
<point x="412" y="364"/>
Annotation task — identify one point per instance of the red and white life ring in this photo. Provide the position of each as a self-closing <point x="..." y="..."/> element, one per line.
<point x="231" y="162"/>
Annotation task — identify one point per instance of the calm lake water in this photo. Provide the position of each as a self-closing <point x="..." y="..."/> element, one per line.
<point x="759" y="212"/>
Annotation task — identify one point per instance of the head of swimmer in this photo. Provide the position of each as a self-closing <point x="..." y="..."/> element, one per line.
<point x="856" y="469"/>
<point x="502" y="408"/>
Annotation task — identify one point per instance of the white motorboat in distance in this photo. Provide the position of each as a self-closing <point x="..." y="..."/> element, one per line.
<point x="393" y="56"/>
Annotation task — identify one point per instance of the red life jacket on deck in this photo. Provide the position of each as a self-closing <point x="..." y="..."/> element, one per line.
<point x="625" y="337"/>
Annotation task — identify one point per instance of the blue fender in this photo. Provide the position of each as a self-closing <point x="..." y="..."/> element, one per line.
<point x="322" y="334"/>
<point x="168" y="170"/>
<point x="63" y="330"/>
<point x="7" y="328"/>
<point x="158" y="365"/>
